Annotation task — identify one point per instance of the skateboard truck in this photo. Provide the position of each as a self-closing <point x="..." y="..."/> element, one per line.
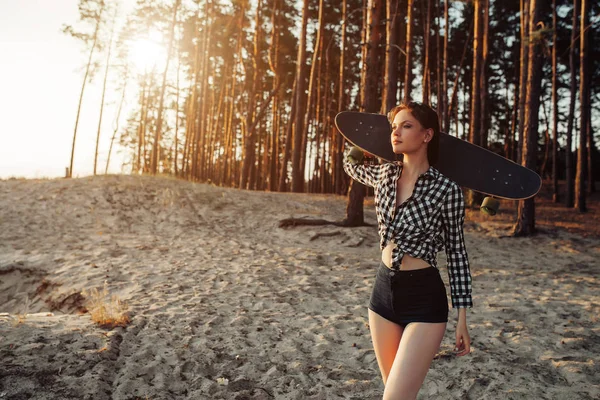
<point x="490" y="206"/>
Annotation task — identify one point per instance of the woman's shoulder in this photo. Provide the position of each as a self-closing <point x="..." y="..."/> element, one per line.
<point x="446" y="184"/>
<point x="393" y="165"/>
<point x="388" y="168"/>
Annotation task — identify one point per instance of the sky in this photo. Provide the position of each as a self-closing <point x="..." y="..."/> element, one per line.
<point x="41" y="74"/>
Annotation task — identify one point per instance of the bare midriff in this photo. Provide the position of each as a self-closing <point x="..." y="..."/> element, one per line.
<point x="408" y="262"/>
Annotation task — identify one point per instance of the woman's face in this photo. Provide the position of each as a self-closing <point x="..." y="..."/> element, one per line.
<point x="408" y="135"/>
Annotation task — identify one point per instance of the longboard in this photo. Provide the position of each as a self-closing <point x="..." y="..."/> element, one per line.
<point x="463" y="162"/>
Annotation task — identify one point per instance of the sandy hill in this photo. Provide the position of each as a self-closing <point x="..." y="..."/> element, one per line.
<point x="224" y="304"/>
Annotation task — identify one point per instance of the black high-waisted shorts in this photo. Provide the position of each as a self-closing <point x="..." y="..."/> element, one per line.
<point x="409" y="296"/>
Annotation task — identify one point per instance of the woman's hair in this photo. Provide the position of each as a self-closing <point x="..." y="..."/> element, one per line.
<point x="428" y="118"/>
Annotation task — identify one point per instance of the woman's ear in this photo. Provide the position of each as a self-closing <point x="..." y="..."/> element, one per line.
<point x="428" y="135"/>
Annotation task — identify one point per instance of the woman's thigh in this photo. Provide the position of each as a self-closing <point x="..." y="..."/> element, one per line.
<point x="386" y="337"/>
<point x="420" y="343"/>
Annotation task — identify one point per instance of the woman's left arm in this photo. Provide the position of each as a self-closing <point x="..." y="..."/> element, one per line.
<point x="459" y="273"/>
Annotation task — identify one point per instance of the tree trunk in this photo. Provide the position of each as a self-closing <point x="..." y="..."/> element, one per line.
<point x="112" y="32"/>
<point x="364" y="48"/>
<point x="591" y="184"/>
<point x="580" y="194"/>
<point x="191" y="149"/>
<point x="454" y="98"/>
<point x="203" y="116"/>
<point x="438" y="67"/>
<point x="224" y="175"/>
<point x="390" y="85"/>
<point x="570" y="176"/>
<point x="274" y="66"/>
<point x="216" y="131"/>
<point x="543" y="172"/>
<point x="426" y="38"/>
<point x="445" y="108"/>
<point x="287" y="147"/>
<point x="464" y="113"/>
<point x="525" y="224"/>
<point x="510" y="146"/>
<point x="523" y="75"/>
<point x="176" y="145"/>
<point x="354" y="211"/>
<point x="474" y="134"/>
<point x="145" y="131"/>
<point x="138" y="163"/>
<point x="249" y="147"/>
<point x="374" y="40"/>
<point x="163" y="87"/>
<point x="473" y="198"/>
<point x="555" y="191"/>
<point x="228" y="174"/>
<point x="297" y="178"/>
<point x="313" y="82"/>
<point x="143" y="126"/>
<point x="85" y="78"/>
<point x="338" y="173"/>
<point x="112" y="140"/>
<point x="251" y="132"/>
<point x="325" y="172"/>
<point x="409" y="46"/>
<point x="483" y="90"/>
<point x="513" y="125"/>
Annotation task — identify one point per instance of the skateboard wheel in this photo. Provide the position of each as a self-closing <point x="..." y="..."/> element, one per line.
<point x="490" y="206"/>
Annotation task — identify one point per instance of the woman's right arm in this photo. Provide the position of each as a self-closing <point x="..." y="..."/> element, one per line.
<point x="365" y="174"/>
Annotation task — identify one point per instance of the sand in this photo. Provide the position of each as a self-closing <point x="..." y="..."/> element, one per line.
<point x="224" y="304"/>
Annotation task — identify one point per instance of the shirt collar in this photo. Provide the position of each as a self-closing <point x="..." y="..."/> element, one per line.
<point x="431" y="173"/>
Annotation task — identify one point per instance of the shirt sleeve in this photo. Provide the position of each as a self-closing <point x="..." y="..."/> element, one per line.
<point x="459" y="274"/>
<point x="366" y="174"/>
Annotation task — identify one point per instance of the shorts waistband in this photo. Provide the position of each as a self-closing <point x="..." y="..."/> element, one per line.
<point x="411" y="272"/>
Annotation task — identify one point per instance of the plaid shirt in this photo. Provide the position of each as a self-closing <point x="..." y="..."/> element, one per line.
<point x="435" y="207"/>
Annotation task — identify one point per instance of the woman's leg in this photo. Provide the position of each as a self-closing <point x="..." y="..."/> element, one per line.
<point x="386" y="338"/>
<point x="420" y="343"/>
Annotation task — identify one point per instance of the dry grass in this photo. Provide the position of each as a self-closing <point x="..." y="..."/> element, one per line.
<point x="106" y="310"/>
<point x="18" y="320"/>
<point x="21" y="317"/>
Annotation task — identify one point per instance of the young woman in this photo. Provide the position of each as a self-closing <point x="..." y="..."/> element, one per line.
<point x="419" y="212"/>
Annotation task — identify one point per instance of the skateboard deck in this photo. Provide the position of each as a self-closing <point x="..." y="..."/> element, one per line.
<point x="463" y="162"/>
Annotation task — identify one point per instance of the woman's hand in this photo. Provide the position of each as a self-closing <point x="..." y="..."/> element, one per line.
<point x="355" y="156"/>
<point x="463" y="340"/>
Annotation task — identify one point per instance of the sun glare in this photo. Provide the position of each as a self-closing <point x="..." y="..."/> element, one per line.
<point x="147" y="53"/>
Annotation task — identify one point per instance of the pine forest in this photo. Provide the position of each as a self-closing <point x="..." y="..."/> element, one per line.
<point x="246" y="92"/>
